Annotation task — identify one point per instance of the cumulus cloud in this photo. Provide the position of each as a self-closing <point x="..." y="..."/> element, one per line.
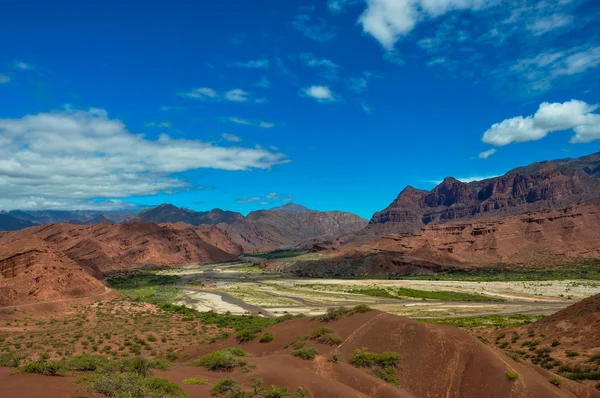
<point x="571" y="115"/>
<point x="256" y="64"/>
<point x="78" y="155"/>
<point x="314" y="28"/>
<point x="487" y="154"/>
<point x="319" y="93"/>
<point x="209" y="94"/>
<point x="388" y="20"/>
<point x="328" y="68"/>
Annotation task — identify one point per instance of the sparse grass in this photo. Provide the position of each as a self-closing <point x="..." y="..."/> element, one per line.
<point x="198" y="381"/>
<point x="555" y="381"/>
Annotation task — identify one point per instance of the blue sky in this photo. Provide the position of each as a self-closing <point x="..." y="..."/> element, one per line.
<point x="250" y="104"/>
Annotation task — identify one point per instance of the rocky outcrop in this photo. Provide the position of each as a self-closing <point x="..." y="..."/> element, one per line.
<point x="546" y="185"/>
<point x="31" y="270"/>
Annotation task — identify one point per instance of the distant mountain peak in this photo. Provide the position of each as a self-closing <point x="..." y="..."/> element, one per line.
<point x="292" y="208"/>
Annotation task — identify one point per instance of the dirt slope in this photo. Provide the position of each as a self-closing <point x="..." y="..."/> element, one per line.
<point x="31" y="271"/>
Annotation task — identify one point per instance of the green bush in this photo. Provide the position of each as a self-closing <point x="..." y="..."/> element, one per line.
<point x="333" y="314"/>
<point x="305" y="353"/>
<point x="320" y="332"/>
<point x="227" y="385"/>
<point x="46" y="368"/>
<point x="330" y="339"/>
<point x="247" y="334"/>
<point x="274" y="392"/>
<point x="555" y="381"/>
<point x="360" y="309"/>
<point x="267" y="337"/>
<point x="196" y="381"/>
<point x="157" y="387"/>
<point x="512" y="375"/>
<point x="387" y="373"/>
<point x="223" y="360"/>
<point x="361" y="358"/>
<point x="12" y="359"/>
<point x="571" y="354"/>
<point x="334" y="358"/>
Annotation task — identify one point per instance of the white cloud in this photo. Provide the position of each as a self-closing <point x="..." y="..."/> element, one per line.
<point x="4" y="79"/>
<point x="231" y="137"/>
<point x="487" y="154"/>
<point x="571" y="115"/>
<point x="549" y="23"/>
<point x="359" y="84"/>
<point x="249" y="200"/>
<point x="78" y="155"/>
<point x="256" y="64"/>
<point x="388" y="20"/>
<point x="319" y="93"/>
<point x="317" y="29"/>
<point x="260" y="123"/>
<point x="22" y="65"/>
<point x="209" y="94"/>
<point x="329" y="68"/>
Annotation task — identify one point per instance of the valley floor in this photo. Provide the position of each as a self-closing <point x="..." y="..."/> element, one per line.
<point x="238" y="288"/>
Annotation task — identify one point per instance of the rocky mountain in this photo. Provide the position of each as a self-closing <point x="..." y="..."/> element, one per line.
<point x="106" y="247"/>
<point x="10" y="223"/>
<point x="545" y="185"/>
<point x="265" y="230"/>
<point x="167" y="213"/>
<point x="292" y="208"/>
<point x="32" y="270"/>
<point x="43" y="217"/>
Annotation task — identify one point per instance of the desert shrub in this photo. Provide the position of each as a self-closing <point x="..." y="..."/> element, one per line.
<point x="196" y="381"/>
<point x="555" y="381"/>
<point x="46" y="368"/>
<point x="360" y="309"/>
<point x="227" y="386"/>
<point x="247" y="334"/>
<point x="330" y="339"/>
<point x="333" y="314"/>
<point x="114" y="385"/>
<point x="157" y="387"/>
<point x="223" y="360"/>
<point x="320" y="332"/>
<point x="361" y="358"/>
<point x="274" y="392"/>
<point x="387" y="373"/>
<point x="512" y="375"/>
<point x="305" y="353"/>
<point x="555" y="343"/>
<point x="334" y="358"/>
<point x="571" y="354"/>
<point x="267" y="337"/>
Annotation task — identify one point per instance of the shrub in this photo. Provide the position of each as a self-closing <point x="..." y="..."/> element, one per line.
<point x="361" y="358"/>
<point x="114" y="385"/>
<point x="387" y="373"/>
<point x="571" y="354"/>
<point x="555" y="381"/>
<point x="555" y="343"/>
<point x="223" y="360"/>
<point x="305" y="353"/>
<point x="320" y="332"/>
<point x="157" y="387"/>
<point x="360" y="309"/>
<point x="267" y="337"/>
<point x="46" y="368"/>
<point x="248" y="334"/>
<point x="512" y="375"/>
<point x="274" y="392"/>
<point x="330" y="339"/>
<point x="334" y="358"/>
<point x="226" y="385"/>
<point x="333" y="314"/>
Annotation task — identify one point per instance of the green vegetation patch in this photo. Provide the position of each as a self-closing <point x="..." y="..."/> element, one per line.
<point x="305" y="353"/>
<point x="401" y="292"/>
<point x="223" y="360"/>
<point x="381" y="365"/>
<point x="147" y="286"/>
<point x="485" y="321"/>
